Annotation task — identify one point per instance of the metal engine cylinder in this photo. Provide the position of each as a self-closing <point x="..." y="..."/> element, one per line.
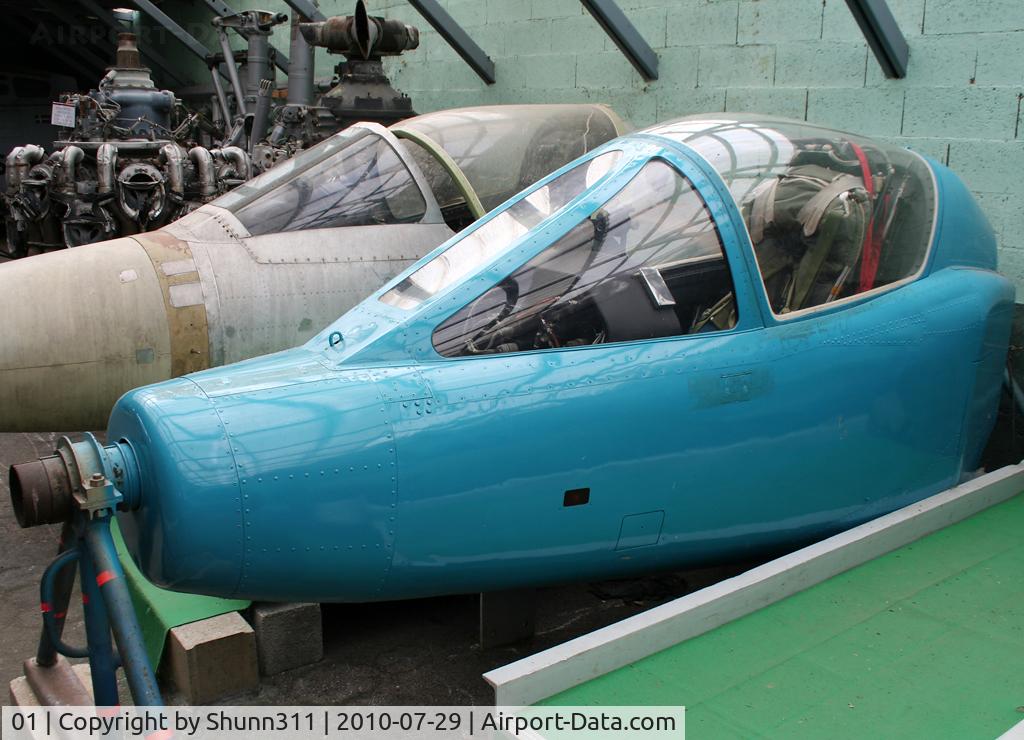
<point x="130" y="164"/>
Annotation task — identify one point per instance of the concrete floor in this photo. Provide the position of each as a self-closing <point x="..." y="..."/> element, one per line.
<point x="398" y="653"/>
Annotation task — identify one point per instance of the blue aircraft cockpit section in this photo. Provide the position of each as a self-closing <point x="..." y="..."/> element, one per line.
<point x="606" y="330"/>
<point x="638" y="240"/>
<point x="649" y="263"/>
<point x="664" y="233"/>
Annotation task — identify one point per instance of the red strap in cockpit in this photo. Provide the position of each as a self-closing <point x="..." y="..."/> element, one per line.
<point x="872" y="249"/>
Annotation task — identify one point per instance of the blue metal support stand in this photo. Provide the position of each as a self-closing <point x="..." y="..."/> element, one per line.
<point x="102" y="663"/>
<point x="113" y="586"/>
<point x="57" y="602"/>
<point x="87" y="542"/>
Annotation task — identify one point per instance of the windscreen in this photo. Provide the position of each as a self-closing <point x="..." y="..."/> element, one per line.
<point x="480" y="246"/>
<point x="504" y="149"/>
<point x="649" y="263"/>
<point x="353" y="178"/>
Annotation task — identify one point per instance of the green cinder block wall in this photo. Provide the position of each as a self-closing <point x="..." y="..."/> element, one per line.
<point x="960" y="102"/>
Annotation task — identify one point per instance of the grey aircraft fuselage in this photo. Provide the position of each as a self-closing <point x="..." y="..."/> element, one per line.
<point x="83" y="326"/>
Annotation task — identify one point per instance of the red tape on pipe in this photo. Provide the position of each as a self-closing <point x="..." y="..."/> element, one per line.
<point x="104" y="577"/>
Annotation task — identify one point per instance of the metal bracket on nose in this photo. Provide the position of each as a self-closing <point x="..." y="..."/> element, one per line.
<point x="97" y="496"/>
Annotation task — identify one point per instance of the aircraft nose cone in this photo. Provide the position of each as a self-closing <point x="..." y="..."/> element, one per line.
<point x="78" y="328"/>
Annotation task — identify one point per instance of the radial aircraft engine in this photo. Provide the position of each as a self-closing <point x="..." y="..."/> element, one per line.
<point x="714" y="339"/>
<point x="269" y="264"/>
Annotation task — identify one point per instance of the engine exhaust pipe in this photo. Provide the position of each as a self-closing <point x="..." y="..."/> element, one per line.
<point x="106" y="163"/>
<point x="203" y="162"/>
<point x="40" y="491"/>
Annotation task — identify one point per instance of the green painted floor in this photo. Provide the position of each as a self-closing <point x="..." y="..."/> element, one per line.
<point x="925" y="642"/>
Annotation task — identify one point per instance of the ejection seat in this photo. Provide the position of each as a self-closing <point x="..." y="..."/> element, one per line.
<point x="808" y="227"/>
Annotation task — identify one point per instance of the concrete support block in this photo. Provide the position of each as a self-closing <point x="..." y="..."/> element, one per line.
<point x="20" y="694"/>
<point x="287" y="636"/>
<point x="59" y="684"/>
<point x="62" y="684"/>
<point x="507" y="617"/>
<point x="212" y="658"/>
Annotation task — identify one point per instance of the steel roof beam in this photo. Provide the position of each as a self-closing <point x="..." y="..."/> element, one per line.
<point x="457" y="38"/>
<point x="188" y="40"/>
<point x="307" y="9"/>
<point x="619" y="28"/>
<point x="883" y="35"/>
<point x="191" y="42"/>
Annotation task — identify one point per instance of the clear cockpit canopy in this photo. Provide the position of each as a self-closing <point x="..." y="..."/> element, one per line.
<point x="504" y="149"/>
<point x="359" y="177"/>
<point x="354" y="178"/>
<point x="830" y="214"/>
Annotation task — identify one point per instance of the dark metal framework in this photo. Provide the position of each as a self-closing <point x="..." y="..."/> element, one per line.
<point x="222" y="8"/>
<point x="619" y="28"/>
<point x="65" y="14"/>
<point x="20" y="24"/>
<point x="883" y="34"/>
<point x="191" y="42"/>
<point x="874" y="17"/>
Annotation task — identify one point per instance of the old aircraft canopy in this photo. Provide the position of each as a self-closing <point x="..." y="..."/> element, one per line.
<point x="467" y="160"/>
<point x="354" y="178"/>
<point x="503" y="149"/>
